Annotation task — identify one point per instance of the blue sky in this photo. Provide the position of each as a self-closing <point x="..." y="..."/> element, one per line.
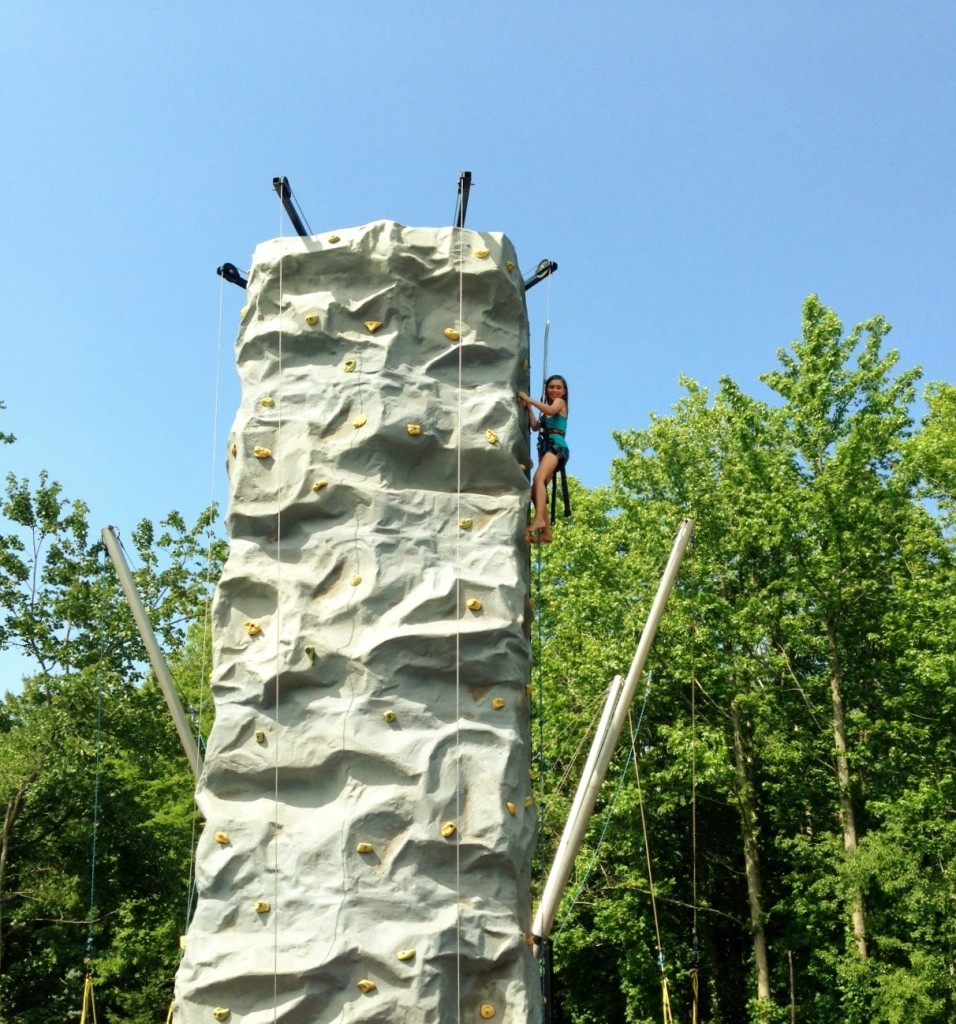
<point x="696" y="169"/>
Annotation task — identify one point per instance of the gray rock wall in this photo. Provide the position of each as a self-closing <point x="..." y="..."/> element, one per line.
<point x="369" y="824"/>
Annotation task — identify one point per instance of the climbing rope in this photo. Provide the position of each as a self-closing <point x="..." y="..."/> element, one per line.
<point x="695" y="950"/>
<point x="665" y="994"/>
<point x="458" y="607"/>
<point x="88" y="1012"/>
<point x="610" y="813"/>
<point x="278" y="633"/>
<point x="89" y="1004"/>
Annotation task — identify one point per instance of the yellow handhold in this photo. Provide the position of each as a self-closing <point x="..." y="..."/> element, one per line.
<point x="260" y="736"/>
<point x="182" y="941"/>
<point x="268" y="401"/>
<point x="466" y="523"/>
<point x="242" y="312"/>
<point x="334" y="238"/>
<point x="233" y="450"/>
<point x="529" y="940"/>
<point x="261" y="907"/>
<point x="262" y="453"/>
<point x="414" y="429"/>
<point x="222" y="838"/>
<point x="482" y="254"/>
<point x="473" y="604"/>
<point x="511" y="808"/>
<point x="364" y="848"/>
<point x="389" y="715"/>
<point x="451" y="334"/>
<point x="372" y="325"/>
<point x="448" y="829"/>
<point x="312" y="319"/>
<point x="360" y="421"/>
<point x="510" y="265"/>
<point x="355" y="580"/>
<point x="529" y="801"/>
<point x="221" y="1013"/>
<point x="349" y="365"/>
<point x="365" y="985"/>
<point x="310" y="654"/>
<point x="498" y="703"/>
<point x="487" y="1011"/>
<point x="491" y="437"/>
<point x="405" y="954"/>
<point x="252" y="628"/>
<point x="319" y="484"/>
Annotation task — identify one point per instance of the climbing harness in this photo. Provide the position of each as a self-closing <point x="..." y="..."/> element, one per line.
<point x="543" y="443"/>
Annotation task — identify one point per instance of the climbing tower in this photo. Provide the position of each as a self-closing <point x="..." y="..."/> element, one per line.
<point x="368" y="815"/>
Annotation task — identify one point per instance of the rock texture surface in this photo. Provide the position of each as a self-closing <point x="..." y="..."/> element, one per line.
<point x="369" y="823"/>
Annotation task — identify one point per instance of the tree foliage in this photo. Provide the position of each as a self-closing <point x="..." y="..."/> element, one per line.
<point x="795" y="746"/>
<point x="778" y="835"/>
<point x="96" y="793"/>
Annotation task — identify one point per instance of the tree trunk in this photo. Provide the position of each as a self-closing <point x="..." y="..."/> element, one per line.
<point x="847" y="817"/>
<point x="748" y="820"/>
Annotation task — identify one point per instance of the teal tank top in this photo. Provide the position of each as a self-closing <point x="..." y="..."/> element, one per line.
<point x="556" y="422"/>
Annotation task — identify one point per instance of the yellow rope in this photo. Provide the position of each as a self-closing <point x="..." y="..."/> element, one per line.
<point x="89" y="1003"/>
<point x="169" y="1016"/>
<point x="666" y="1000"/>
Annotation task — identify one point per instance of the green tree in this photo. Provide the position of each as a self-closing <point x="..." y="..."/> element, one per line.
<point x="97" y="794"/>
<point x="793" y="686"/>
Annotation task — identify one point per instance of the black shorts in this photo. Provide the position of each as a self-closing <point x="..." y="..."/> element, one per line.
<point x="560" y="451"/>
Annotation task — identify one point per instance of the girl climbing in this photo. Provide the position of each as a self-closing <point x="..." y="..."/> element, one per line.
<point x="553" y="451"/>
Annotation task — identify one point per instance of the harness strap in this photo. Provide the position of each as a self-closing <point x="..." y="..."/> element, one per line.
<point x="564" y="494"/>
<point x="546" y="431"/>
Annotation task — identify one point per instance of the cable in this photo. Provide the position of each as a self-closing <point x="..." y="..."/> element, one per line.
<point x="278" y="634"/>
<point x="460" y="343"/>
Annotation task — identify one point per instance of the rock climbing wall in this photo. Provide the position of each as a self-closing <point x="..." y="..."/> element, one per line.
<point x="369" y="823"/>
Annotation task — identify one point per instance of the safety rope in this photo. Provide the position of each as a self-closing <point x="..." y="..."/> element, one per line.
<point x="88" y="1001"/>
<point x="694" y="975"/>
<point x="458" y="596"/>
<point x="665" y="994"/>
<point x="544" y="380"/>
<point x="88" y="1012"/>
<point x="198" y="719"/>
<point x="278" y="628"/>
<point x="635" y="731"/>
<point x="539" y="563"/>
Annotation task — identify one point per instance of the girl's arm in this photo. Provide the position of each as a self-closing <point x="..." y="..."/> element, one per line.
<point x="532" y="419"/>
<point x="557" y="407"/>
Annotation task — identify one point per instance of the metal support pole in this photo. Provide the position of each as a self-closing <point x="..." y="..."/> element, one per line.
<point x="284" y="189"/>
<point x="156" y="658"/>
<point x="230" y="272"/>
<point x="461" y="207"/>
<point x="589" y="786"/>
<point x="544" y="269"/>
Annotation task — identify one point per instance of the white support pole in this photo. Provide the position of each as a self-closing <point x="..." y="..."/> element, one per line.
<point x="156" y="658"/>
<point x="571" y="837"/>
<point x="603" y="747"/>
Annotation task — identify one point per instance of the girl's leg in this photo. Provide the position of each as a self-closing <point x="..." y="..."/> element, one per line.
<point x="539" y="493"/>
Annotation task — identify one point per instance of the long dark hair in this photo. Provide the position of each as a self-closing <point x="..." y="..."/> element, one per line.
<point x="544" y="390"/>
